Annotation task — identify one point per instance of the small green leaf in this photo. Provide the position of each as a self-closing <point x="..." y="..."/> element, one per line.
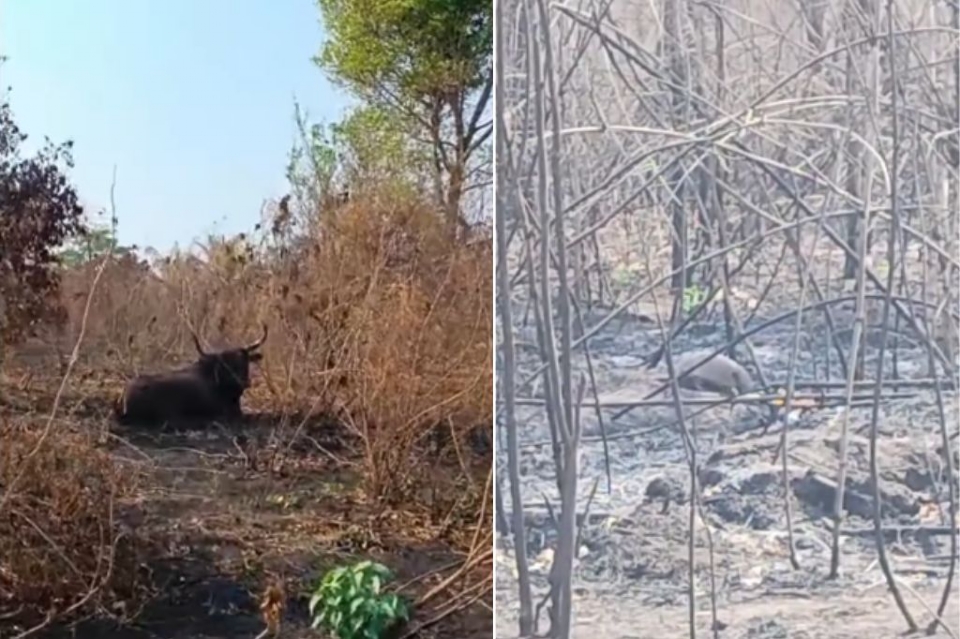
<point x="357" y="581"/>
<point x="362" y="565"/>
<point x="355" y="605"/>
<point x="387" y="607"/>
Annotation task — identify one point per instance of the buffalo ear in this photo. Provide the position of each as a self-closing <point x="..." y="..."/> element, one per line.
<point x="256" y="357"/>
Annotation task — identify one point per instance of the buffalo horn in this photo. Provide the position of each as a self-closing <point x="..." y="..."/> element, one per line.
<point x="196" y="342"/>
<point x="259" y="342"/>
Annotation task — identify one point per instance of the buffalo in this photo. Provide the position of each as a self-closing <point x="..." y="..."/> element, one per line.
<point x="207" y="389"/>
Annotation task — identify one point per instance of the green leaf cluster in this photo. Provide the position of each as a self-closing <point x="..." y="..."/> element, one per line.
<point x="370" y="145"/>
<point x="693" y="296"/>
<point x="350" y="604"/>
<point x="92" y="244"/>
<point x="373" y="142"/>
<point x="407" y="48"/>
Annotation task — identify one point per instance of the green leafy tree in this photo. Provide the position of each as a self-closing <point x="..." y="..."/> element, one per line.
<point x="373" y="144"/>
<point x="370" y="145"/>
<point x="428" y="62"/>
<point x="95" y="242"/>
<point x="312" y="170"/>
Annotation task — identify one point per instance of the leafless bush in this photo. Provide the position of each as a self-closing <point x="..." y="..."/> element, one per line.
<point x="65" y="547"/>
<point x="755" y="152"/>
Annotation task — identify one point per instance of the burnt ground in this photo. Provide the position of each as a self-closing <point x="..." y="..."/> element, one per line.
<point x="630" y="579"/>
<point x="230" y="509"/>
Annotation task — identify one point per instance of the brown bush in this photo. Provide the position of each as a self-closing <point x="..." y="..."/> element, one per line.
<point x="375" y="315"/>
<point x="62" y="546"/>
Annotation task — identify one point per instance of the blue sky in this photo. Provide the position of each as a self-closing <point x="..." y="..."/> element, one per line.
<point x="191" y="100"/>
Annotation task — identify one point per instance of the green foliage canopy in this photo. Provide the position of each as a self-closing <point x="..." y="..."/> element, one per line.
<point x="96" y="241"/>
<point x="397" y="50"/>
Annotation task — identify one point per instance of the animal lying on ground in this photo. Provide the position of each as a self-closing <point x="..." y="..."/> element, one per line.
<point x="665" y="491"/>
<point x="720" y="375"/>
<point x="210" y="387"/>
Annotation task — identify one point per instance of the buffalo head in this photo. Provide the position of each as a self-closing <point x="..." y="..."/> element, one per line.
<point x="228" y="370"/>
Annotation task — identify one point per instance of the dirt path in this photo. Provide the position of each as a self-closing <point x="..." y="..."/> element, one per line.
<point x="234" y="527"/>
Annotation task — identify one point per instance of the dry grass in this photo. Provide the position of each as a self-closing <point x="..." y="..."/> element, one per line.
<point x="64" y="541"/>
<point x="377" y="318"/>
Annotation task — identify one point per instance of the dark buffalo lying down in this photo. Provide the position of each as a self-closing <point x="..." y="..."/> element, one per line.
<point x="207" y="389"/>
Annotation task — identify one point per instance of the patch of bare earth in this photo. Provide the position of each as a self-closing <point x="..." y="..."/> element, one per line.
<point x="766" y="616"/>
<point x="631" y="577"/>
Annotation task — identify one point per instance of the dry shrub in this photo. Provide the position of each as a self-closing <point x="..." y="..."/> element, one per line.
<point x="62" y="549"/>
<point x="420" y="327"/>
<point x="376" y="315"/>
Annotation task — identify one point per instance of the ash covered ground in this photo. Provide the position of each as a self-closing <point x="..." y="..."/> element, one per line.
<point x="630" y="579"/>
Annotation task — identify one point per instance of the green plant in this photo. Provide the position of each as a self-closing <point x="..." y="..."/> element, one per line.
<point x="349" y="602"/>
<point x="424" y="71"/>
<point x="882" y="268"/>
<point x="93" y="243"/>
<point x="692" y="297"/>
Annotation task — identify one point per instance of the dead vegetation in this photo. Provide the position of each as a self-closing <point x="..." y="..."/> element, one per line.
<point x="774" y="181"/>
<point x="361" y="435"/>
<point x="62" y="537"/>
